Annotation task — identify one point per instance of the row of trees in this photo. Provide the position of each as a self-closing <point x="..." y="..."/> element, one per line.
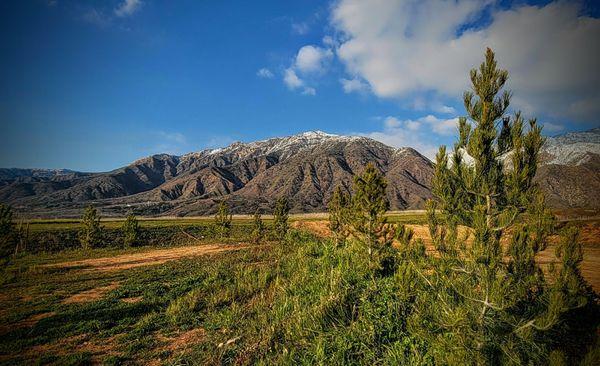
<point x="482" y="298"/>
<point x="223" y="221"/>
<point x="15" y="236"/>
<point x="90" y="233"/>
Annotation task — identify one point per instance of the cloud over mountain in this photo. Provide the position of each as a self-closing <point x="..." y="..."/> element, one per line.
<point x="407" y="49"/>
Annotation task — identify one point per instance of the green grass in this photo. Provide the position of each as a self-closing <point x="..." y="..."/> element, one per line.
<point x="300" y="302"/>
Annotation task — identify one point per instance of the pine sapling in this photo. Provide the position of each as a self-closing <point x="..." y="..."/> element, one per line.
<point x="223" y="220"/>
<point x="258" y="228"/>
<point x="280" y="221"/>
<point x="90" y="234"/>
<point x="131" y="231"/>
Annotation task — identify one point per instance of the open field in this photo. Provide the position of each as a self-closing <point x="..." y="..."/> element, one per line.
<point x="208" y="301"/>
<point x="409" y="216"/>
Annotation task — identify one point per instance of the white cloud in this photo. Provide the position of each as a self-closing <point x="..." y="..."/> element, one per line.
<point x="407" y="49"/>
<point x="440" y="126"/>
<point x="310" y="62"/>
<point x="265" y="73"/>
<point x="311" y="59"/>
<point x="292" y="80"/>
<point x="309" y="91"/>
<point x="329" y="41"/>
<point x="403" y="138"/>
<point x="354" y="85"/>
<point x="415" y="133"/>
<point x="300" y="28"/>
<point x="444" y="109"/>
<point x="391" y="122"/>
<point x="127" y="7"/>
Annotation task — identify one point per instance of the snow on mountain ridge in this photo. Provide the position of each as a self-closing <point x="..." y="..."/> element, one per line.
<point x="574" y="148"/>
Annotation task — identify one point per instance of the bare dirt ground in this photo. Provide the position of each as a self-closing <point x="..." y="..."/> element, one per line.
<point x="589" y="237"/>
<point x="91" y="295"/>
<point x="147" y="258"/>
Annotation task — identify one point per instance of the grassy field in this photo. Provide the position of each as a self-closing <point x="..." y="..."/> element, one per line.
<point x="205" y="301"/>
<point x="37" y="225"/>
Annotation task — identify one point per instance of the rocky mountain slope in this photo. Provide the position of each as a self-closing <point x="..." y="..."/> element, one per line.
<point x="569" y="172"/>
<point x="306" y="168"/>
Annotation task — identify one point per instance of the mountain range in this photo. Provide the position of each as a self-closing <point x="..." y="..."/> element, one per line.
<point x="305" y="168"/>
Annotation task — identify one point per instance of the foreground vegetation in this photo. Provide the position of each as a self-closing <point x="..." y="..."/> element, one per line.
<point x="302" y="301"/>
<point x="370" y="294"/>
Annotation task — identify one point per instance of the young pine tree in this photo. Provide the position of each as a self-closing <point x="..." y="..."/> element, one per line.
<point x="90" y="234"/>
<point x="130" y="230"/>
<point x="280" y="221"/>
<point x="338" y="215"/>
<point x="258" y="228"/>
<point x="223" y="220"/>
<point x="488" y="305"/>
<point x="369" y="205"/>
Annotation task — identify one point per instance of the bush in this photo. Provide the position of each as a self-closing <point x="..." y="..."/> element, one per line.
<point x="90" y="235"/>
<point x="131" y="231"/>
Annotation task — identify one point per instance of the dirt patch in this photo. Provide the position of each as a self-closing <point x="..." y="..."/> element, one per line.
<point x="319" y="228"/>
<point x="91" y="294"/>
<point x="132" y="300"/>
<point x="148" y="258"/>
<point x="79" y="343"/>
<point x="25" y="323"/>
<point x="180" y="341"/>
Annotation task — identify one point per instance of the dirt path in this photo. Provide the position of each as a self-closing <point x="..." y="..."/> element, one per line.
<point x="148" y="258"/>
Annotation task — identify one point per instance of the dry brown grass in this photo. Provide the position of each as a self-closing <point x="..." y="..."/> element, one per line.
<point x="91" y="295"/>
<point x="147" y="258"/>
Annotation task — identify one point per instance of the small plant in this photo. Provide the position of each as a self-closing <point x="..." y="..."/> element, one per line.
<point x="339" y="216"/>
<point x="281" y="213"/>
<point x="131" y="231"/>
<point x="22" y="237"/>
<point x="223" y="220"/>
<point x="258" y="228"/>
<point x="90" y="233"/>
<point x="369" y="205"/>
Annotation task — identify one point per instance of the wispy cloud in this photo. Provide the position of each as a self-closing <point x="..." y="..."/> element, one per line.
<point x="418" y="133"/>
<point x="301" y="28"/>
<point x="127" y="7"/>
<point x="265" y="73"/>
<point x="97" y="18"/>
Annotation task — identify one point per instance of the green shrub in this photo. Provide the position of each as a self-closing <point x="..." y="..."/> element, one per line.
<point x="131" y="231"/>
<point x="280" y="221"/>
<point x="90" y="234"/>
<point x="223" y="220"/>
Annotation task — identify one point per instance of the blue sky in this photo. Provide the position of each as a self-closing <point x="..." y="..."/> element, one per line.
<point x="94" y="85"/>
